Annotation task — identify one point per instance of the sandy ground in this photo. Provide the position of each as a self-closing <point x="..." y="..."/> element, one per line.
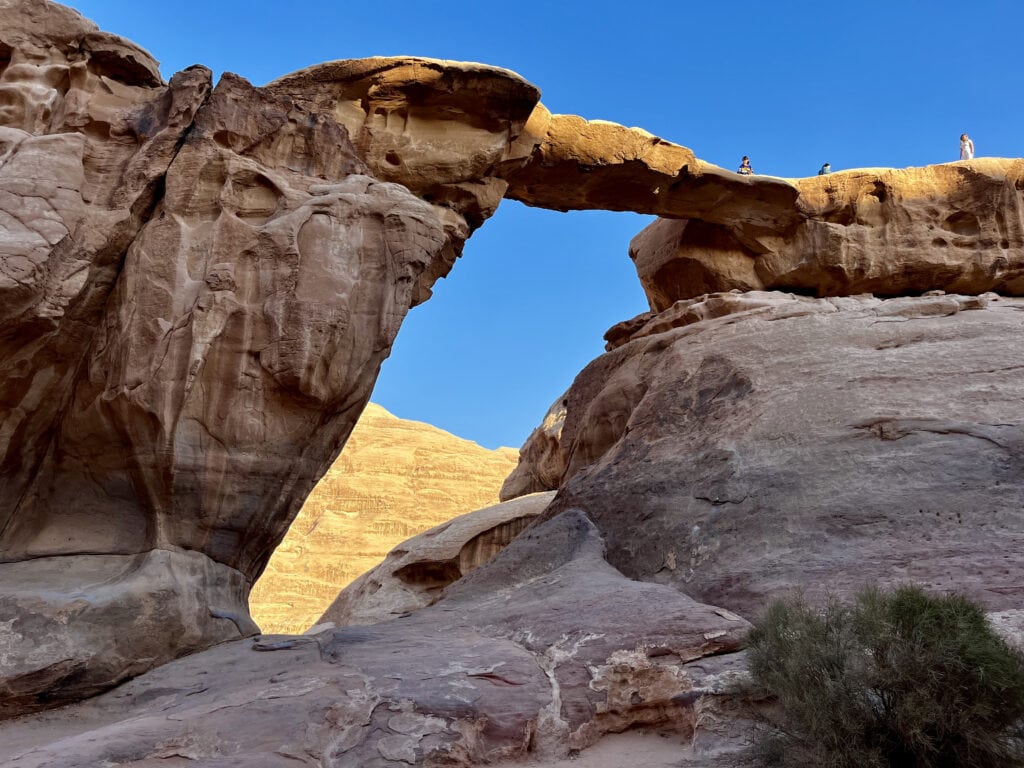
<point x="634" y="749"/>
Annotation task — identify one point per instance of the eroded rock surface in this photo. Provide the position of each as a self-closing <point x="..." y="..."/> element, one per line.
<point x="394" y="479"/>
<point x="580" y="164"/>
<point x="957" y="227"/>
<point x="543" y="654"/>
<point x="741" y="445"/>
<point x="541" y="460"/>
<point x="415" y="572"/>
<point x="199" y="287"/>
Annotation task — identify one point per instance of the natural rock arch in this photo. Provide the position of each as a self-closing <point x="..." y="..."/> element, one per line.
<point x="199" y="284"/>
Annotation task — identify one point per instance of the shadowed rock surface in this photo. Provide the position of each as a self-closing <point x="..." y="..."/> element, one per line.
<point x="741" y="445"/>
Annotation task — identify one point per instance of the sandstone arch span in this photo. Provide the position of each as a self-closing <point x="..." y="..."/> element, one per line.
<point x="199" y="283"/>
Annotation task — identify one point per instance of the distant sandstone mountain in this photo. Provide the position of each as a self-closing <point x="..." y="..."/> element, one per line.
<point x="395" y="479"/>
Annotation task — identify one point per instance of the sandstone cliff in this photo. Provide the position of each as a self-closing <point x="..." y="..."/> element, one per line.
<point x="199" y="285"/>
<point x="396" y="478"/>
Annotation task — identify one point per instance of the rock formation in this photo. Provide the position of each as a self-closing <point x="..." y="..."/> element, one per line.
<point x="414" y="573"/>
<point x="957" y="227"/>
<point x="394" y="479"/>
<point x="545" y="652"/>
<point x="768" y="441"/>
<point x="200" y="285"/>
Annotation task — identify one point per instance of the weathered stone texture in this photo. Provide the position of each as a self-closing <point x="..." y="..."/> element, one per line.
<point x="957" y="227"/>
<point x="744" y="444"/>
<point x="415" y="572"/>
<point x="541" y="461"/>
<point x="198" y="289"/>
<point x="448" y="131"/>
<point x="551" y="650"/>
<point x="198" y="286"/>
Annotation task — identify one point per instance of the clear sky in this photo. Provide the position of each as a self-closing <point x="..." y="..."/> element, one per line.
<point x="791" y="83"/>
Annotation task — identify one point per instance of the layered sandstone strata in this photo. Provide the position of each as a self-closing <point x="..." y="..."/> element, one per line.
<point x="957" y="227"/>
<point x="415" y="573"/>
<point x="395" y="478"/>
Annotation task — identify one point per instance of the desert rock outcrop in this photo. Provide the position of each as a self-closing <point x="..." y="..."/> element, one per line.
<point x="957" y="227"/>
<point x="199" y="288"/>
<point x="544" y="653"/>
<point x="394" y="479"/>
<point x="199" y="285"/>
<point x="541" y="462"/>
<point x="767" y="441"/>
<point x="415" y="572"/>
<point x="580" y="164"/>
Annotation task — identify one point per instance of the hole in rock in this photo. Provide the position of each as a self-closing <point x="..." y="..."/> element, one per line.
<point x="122" y="68"/>
<point x="430" y="575"/>
<point x="252" y="196"/>
<point x="5" y="56"/>
<point x="962" y="223"/>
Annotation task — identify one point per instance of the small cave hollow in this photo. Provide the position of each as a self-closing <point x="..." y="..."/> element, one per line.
<point x="962" y="223"/>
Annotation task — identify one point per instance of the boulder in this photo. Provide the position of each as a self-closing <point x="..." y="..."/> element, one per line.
<point x="415" y="572"/>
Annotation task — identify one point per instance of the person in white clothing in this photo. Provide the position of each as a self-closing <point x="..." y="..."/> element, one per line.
<point x="966" y="147"/>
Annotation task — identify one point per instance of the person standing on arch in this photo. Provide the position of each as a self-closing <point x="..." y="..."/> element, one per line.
<point x="966" y="147"/>
<point x="745" y="168"/>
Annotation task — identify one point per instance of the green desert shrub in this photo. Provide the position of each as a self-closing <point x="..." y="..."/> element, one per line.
<point x="895" y="679"/>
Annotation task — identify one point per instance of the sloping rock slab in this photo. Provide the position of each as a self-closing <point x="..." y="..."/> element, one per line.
<point x="415" y="572"/>
<point x="563" y="652"/>
<point x="742" y="445"/>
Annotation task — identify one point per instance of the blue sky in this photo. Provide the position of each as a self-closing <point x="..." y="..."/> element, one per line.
<point x="792" y="84"/>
